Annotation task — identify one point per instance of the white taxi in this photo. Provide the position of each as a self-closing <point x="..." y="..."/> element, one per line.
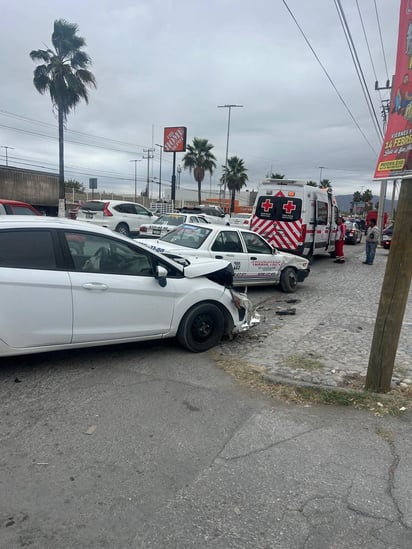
<point x="254" y="261"/>
<point x="166" y="223"/>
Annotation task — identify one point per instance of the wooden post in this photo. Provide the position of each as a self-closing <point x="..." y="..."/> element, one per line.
<point x="394" y="297"/>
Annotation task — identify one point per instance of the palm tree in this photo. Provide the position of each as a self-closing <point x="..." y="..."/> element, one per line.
<point x="235" y="177"/>
<point x="275" y="175"/>
<point x="200" y="159"/>
<point x="367" y="199"/>
<point x="325" y="184"/>
<point x="357" y="198"/>
<point x="64" y="73"/>
<point x="311" y="183"/>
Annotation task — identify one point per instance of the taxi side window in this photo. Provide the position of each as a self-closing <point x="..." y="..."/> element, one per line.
<point x="255" y="244"/>
<point x="227" y="241"/>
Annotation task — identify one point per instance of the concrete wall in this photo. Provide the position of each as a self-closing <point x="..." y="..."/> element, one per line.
<point x="36" y="188"/>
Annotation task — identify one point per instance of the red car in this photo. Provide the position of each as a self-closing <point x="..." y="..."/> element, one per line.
<point x="14" y="207"/>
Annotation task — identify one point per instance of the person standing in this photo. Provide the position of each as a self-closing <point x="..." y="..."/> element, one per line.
<point x="340" y="240"/>
<point x="372" y="239"/>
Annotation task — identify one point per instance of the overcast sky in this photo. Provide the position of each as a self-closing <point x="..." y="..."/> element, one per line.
<point x="171" y="63"/>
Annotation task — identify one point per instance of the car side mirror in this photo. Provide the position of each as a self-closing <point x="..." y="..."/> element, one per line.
<point x="161" y="275"/>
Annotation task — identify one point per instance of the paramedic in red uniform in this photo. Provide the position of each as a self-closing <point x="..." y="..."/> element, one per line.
<point x="340" y="240"/>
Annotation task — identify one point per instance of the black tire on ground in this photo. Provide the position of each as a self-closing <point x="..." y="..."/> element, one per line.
<point x="123" y="229"/>
<point x="201" y="328"/>
<point x="288" y="280"/>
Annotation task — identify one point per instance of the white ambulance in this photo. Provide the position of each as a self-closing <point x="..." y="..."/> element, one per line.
<point x="295" y="217"/>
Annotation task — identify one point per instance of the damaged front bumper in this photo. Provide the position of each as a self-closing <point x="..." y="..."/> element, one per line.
<point x="248" y="316"/>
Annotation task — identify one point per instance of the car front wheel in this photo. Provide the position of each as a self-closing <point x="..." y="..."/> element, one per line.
<point x="201" y="328"/>
<point x="288" y="280"/>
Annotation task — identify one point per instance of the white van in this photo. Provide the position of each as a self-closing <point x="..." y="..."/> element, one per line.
<point x="295" y="217"/>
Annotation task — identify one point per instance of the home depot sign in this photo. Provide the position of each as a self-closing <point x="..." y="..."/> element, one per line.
<point x="175" y="139"/>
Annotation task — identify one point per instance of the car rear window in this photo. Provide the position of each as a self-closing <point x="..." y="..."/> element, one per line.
<point x="93" y="206"/>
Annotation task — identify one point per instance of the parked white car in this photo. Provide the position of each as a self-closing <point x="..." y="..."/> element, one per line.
<point x="166" y="223"/>
<point x="106" y="289"/>
<point x="242" y="219"/>
<point x="254" y="260"/>
<point x="212" y="214"/>
<point x="118" y="215"/>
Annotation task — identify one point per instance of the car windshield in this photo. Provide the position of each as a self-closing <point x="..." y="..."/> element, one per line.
<point x="173" y="220"/>
<point x="188" y="236"/>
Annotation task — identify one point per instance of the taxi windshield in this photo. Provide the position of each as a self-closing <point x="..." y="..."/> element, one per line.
<point x="189" y="236"/>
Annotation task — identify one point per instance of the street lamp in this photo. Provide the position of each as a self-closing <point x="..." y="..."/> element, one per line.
<point x="7" y="158"/>
<point x="320" y="175"/>
<point x="227" y="144"/>
<point x="160" y="170"/>
<point x="135" y="178"/>
<point x="179" y="171"/>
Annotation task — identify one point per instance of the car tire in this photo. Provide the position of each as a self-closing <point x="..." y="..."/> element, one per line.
<point x="123" y="229"/>
<point x="201" y="328"/>
<point x="288" y="280"/>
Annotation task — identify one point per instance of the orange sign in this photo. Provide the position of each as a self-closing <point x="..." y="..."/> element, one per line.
<point x="174" y="139"/>
<point x="395" y="159"/>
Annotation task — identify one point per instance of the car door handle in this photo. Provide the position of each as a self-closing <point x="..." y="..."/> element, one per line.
<point x="218" y="256"/>
<point x="94" y="286"/>
<point x="253" y="258"/>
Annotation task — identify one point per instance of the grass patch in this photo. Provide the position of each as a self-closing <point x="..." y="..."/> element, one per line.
<point x="309" y="361"/>
<point x="386" y="434"/>
<point x="394" y="403"/>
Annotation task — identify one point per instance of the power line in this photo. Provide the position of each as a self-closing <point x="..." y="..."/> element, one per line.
<point x="367" y="45"/>
<point x="380" y="36"/>
<point x="358" y="68"/>
<point x="329" y="78"/>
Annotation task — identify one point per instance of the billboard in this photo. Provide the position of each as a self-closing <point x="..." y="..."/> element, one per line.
<point x="395" y="159"/>
<point x="175" y="139"/>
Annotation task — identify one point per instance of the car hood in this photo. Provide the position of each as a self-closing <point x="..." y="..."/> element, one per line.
<point x="293" y="260"/>
<point x="201" y="266"/>
<point x="193" y="266"/>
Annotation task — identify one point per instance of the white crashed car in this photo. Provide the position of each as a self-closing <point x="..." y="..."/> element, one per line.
<point x="106" y="289"/>
<point x="254" y="261"/>
<point x="166" y="223"/>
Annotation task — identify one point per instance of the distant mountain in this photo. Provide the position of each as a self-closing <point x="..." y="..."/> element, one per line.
<point x="344" y="202"/>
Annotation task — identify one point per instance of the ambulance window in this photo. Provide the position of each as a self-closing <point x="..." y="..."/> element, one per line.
<point x="265" y="208"/>
<point x="288" y="209"/>
<point x="321" y="213"/>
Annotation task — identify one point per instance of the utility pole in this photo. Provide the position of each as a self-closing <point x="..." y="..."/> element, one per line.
<point x="393" y="299"/>
<point x="227" y="146"/>
<point x="135" y="178"/>
<point x="149" y="156"/>
<point x="5" y="147"/>
<point x="160" y="171"/>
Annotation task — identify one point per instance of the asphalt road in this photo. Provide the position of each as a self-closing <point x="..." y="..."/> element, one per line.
<point x="149" y="446"/>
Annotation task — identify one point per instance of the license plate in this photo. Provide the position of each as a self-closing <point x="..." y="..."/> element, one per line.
<point x="89" y="216"/>
<point x="156" y="231"/>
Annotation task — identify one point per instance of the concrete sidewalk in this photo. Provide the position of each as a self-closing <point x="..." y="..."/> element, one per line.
<point x="327" y="342"/>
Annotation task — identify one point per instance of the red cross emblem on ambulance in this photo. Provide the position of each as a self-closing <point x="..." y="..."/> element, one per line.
<point x="267" y="205"/>
<point x="289" y="207"/>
